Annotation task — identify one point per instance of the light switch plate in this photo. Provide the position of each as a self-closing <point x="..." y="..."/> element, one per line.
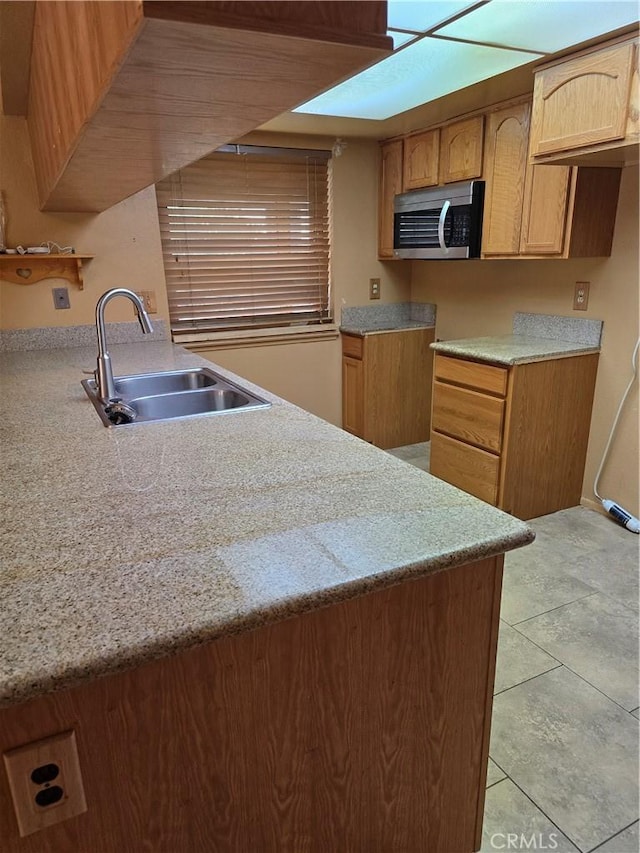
<point x="45" y="782"/>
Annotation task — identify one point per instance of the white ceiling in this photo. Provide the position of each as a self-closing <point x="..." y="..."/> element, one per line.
<point x="441" y="47"/>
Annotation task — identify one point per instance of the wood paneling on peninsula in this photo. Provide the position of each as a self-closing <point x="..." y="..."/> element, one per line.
<point x="362" y="726"/>
<point x="125" y="93"/>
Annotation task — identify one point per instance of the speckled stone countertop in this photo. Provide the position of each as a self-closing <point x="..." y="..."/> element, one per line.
<point x="364" y="320"/>
<point x="513" y="349"/>
<point x="127" y="544"/>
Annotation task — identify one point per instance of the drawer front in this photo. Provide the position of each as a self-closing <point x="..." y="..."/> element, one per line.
<point x="468" y="415"/>
<point x="352" y="346"/>
<point x="473" y="374"/>
<point x="469" y="468"/>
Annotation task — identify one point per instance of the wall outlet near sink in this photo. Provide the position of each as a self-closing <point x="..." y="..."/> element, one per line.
<point x="374" y="288"/>
<point x="149" y="300"/>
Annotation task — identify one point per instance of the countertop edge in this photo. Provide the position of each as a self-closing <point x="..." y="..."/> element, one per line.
<point x="165" y="646"/>
<point x="487" y="357"/>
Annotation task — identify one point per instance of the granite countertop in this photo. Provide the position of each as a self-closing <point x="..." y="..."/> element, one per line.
<point x="391" y="317"/>
<point x="535" y="337"/>
<point x="373" y="329"/>
<point x="127" y="544"/>
<point x="509" y="350"/>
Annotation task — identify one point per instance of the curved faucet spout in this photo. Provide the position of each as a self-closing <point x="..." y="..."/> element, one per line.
<point x="104" y="372"/>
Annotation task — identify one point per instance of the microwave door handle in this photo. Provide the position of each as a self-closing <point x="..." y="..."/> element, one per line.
<point x="443" y="215"/>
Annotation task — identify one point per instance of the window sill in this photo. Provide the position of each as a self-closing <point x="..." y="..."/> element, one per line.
<point x="257" y="338"/>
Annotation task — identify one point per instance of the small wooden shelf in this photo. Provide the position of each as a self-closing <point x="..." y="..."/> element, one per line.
<point x="30" y="269"/>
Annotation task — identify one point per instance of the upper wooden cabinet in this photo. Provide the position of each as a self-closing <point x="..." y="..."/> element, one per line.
<point x="461" y="150"/>
<point x="123" y="94"/>
<point x="542" y="211"/>
<point x="586" y="108"/>
<point x="505" y="167"/>
<point x="421" y="159"/>
<point x="390" y="183"/>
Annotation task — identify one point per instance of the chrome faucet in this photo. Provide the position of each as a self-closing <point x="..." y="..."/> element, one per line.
<point x="104" y="373"/>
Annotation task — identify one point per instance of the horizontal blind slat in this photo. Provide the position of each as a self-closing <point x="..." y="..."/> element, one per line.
<point x="246" y="241"/>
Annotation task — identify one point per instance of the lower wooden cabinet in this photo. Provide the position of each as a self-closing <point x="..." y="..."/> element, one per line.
<point x="386" y="386"/>
<point x="515" y="437"/>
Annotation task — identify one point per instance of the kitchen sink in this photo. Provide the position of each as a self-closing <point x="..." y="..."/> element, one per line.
<point x="150" y="384"/>
<point x="170" y="395"/>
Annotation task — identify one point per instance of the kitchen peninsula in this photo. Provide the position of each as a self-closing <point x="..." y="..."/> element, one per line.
<point x="265" y="633"/>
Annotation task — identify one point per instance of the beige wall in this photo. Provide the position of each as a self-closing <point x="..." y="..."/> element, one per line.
<point x="124" y="239"/>
<point x="480" y="298"/>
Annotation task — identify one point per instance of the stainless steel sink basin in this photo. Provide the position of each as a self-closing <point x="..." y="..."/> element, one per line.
<point x="170" y="395"/>
<point x="150" y="384"/>
<point x="187" y="403"/>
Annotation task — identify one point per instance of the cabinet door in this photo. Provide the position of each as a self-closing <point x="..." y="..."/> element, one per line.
<point x="353" y="396"/>
<point x="544" y="215"/>
<point x="390" y="184"/>
<point x="506" y="166"/>
<point x="461" y="150"/>
<point x="583" y="101"/>
<point x="421" y="160"/>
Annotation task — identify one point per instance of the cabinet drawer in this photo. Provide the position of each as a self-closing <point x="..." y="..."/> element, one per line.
<point x="469" y="468"/>
<point x="472" y="374"/>
<point x="352" y="346"/>
<point x="468" y="415"/>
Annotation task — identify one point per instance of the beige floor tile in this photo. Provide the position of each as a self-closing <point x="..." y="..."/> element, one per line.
<point x="513" y="822"/>
<point x="572" y="751"/>
<point x="597" y="638"/>
<point x="628" y="841"/>
<point x="518" y="659"/>
<point x="494" y="774"/>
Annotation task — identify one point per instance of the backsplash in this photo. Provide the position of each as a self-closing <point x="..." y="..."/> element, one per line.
<point x="389" y="316"/>
<point x="574" y="329"/>
<point x="54" y="337"/>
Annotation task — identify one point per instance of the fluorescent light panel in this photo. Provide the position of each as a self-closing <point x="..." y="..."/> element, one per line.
<point x="421" y="72"/>
<point x="542" y="26"/>
<point x="429" y="68"/>
<point x="421" y="15"/>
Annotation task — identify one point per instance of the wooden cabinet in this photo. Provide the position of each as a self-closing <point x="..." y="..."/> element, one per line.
<point x="585" y="108"/>
<point x="505" y="169"/>
<point x="461" y="150"/>
<point x="390" y="183"/>
<point x="386" y="386"/>
<point x="421" y="159"/>
<point x="443" y="155"/>
<point x="538" y="210"/>
<point x="123" y="94"/>
<point x="515" y="437"/>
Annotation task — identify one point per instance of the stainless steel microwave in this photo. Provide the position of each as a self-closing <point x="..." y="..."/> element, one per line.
<point x="439" y="223"/>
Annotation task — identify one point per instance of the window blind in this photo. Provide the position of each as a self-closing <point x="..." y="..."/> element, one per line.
<point x="245" y="239"/>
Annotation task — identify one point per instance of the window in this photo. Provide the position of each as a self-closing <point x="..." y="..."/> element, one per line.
<point x="245" y="238"/>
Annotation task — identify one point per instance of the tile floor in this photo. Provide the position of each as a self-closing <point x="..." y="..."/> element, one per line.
<point x="563" y="772"/>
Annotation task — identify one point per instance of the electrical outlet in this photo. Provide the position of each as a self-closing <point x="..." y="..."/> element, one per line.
<point x="374" y="288"/>
<point x="148" y="300"/>
<point x="61" y="297"/>
<point x="45" y="782"/>
<point x="581" y="296"/>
